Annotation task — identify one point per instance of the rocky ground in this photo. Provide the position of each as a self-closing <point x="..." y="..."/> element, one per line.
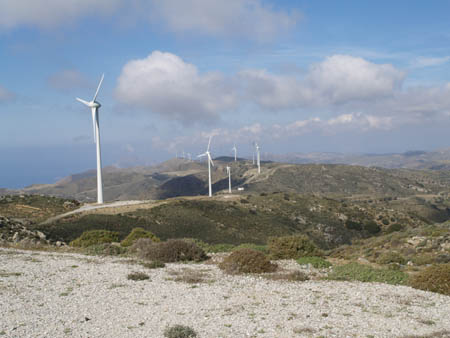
<point x="51" y="294"/>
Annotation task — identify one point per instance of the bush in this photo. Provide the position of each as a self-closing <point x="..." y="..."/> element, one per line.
<point x="94" y="237"/>
<point x="394" y="227"/>
<point x="173" y="250"/>
<point x="153" y="265"/>
<point x="294" y="247"/>
<point x="391" y="257"/>
<point x="179" y="331"/>
<point x="372" y="227"/>
<point x="106" y="249"/>
<point x="294" y="276"/>
<point x="247" y="261"/>
<point x="137" y="276"/>
<point x="137" y="233"/>
<point x="435" y="278"/>
<point x="352" y="225"/>
<point x="317" y="262"/>
<point x="364" y="273"/>
<point x="257" y="247"/>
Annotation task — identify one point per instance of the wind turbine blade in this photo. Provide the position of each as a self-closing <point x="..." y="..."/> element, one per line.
<point x="201" y="155"/>
<point x="83" y="101"/>
<point x="93" y="125"/>
<point x="98" y="88"/>
<point x="209" y="143"/>
<point x="210" y="159"/>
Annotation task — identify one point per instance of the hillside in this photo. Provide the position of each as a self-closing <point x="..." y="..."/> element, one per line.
<point x="433" y="160"/>
<point x="179" y="177"/>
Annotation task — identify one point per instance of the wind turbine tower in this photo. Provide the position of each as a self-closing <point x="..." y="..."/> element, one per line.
<point x="229" y="179"/>
<point x="258" y="158"/>
<point x="235" y="152"/>
<point x="94" y="105"/>
<point x="210" y="162"/>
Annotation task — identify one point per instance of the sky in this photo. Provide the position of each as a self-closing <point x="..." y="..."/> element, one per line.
<point x="295" y="76"/>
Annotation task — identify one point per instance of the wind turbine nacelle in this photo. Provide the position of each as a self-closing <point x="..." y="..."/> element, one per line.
<point x="95" y="104"/>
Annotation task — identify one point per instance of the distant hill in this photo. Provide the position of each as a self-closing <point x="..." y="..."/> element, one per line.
<point x="433" y="160"/>
<point x="178" y="177"/>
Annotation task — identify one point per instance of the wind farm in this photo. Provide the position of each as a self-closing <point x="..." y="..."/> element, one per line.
<point x="262" y="169"/>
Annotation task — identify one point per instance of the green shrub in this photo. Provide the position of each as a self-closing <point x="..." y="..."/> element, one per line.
<point x="153" y="265"/>
<point x="179" y="331"/>
<point x="173" y="250"/>
<point x="293" y="276"/>
<point x="257" y="247"/>
<point x="394" y="227"/>
<point x="371" y="227"/>
<point x="391" y="257"/>
<point x="435" y="278"/>
<point x="106" y="249"/>
<point x="247" y="261"/>
<point x="317" y="262"/>
<point x="220" y="247"/>
<point x="137" y="276"/>
<point x="423" y="259"/>
<point x="294" y="247"/>
<point x="364" y="273"/>
<point x="94" y="237"/>
<point x="137" y="233"/>
<point x="352" y="225"/>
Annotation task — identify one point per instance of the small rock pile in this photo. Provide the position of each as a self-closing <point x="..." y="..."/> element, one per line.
<point x="17" y="231"/>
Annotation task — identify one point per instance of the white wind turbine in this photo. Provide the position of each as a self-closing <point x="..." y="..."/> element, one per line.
<point x="210" y="162"/>
<point x="235" y="152"/>
<point x="258" y="162"/>
<point x="94" y="105"/>
<point x="229" y="179"/>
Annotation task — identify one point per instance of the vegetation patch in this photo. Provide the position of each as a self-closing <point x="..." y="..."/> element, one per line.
<point x="137" y="233"/>
<point x="179" y="331"/>
<point x="292" y="247"/>
<point x="136" y="276"/>
<point x="153" y="265"/>
<point x="293" y="276"/>
<point x="364" y="273"/>
<point x="94" y="237"/>
<point x="391" y="257"/>
<point x="435" y="278"/>
<point x="247" y="261"/>
<point x="316" y="262"/>
<point x="105" y="249"/>
<point x="173" y="250"/>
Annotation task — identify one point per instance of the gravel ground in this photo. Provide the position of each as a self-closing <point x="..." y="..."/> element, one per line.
<point x="69" y="295"/>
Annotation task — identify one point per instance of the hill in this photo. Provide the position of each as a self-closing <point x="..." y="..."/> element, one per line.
<point x="433" y="160"/>
<point x="179" y="177"/>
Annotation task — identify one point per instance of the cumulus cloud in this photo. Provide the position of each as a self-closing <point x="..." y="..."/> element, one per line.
<point x="68" y="79"/>
<point x="49" y="13"/>
<point x="251" y="19"/>
<point x="5" y="94"/>
<point x="164" y="84"/>
<point x="338" y="79"/>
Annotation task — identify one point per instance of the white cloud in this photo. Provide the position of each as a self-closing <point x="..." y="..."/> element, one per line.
<point x="5" y="94"/>
<point x="49" y="13"/>
<point x="251" y="19"/>
<point x="342" y="78"/>
<point x="68" y="79"/>
<point x="338" y="79"/>
<point x="421" y="61"/>
<point x="164" y="84"/>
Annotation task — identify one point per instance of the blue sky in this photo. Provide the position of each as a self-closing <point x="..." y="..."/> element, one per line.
<point x="298" y="76"/>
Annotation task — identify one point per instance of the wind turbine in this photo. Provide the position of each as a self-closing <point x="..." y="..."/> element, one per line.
<point x="94" y="105"/>
<point x="258" y="162"/>
<point x="235" y="151"/>
<point x="229" y="179"/>
<point x="210" y="162"/>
